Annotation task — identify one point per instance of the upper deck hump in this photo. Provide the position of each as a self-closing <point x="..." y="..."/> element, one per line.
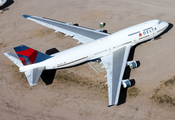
<point x="138" y="27"/>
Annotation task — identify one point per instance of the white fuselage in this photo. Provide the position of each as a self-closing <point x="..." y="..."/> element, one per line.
<point x="103" y="46"/>
<point x="2" y="2"/>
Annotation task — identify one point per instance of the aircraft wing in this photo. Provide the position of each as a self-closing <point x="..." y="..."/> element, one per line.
<point x="83" y="35"/>
<point x="115" y="64"/>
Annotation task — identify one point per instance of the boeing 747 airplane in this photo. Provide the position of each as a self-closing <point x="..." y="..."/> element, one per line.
<point x="112" y="49"/>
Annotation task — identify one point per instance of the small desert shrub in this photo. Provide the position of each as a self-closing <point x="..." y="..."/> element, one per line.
<point x="60" y="35"/>
<point x="133" y="91"/>
<point x="160" y="96"/>
<point x="43" y="32"/>
<point x="170" y="82"/>
<point x="17" y="73"/>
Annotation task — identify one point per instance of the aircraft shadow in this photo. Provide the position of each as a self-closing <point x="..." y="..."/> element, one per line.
<point x="123" y="91"/>
<point x="7" y="4"/>
<point x="49" y="75"/>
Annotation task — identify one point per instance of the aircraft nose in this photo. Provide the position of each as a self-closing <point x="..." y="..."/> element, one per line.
<point x="165" y="24"/>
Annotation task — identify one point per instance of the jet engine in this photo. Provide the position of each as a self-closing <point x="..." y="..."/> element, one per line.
<point x="132" y="64"/>
<point x="126" y="83"/>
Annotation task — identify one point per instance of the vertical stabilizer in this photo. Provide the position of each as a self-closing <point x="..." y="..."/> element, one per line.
<point x="30" y="56"/>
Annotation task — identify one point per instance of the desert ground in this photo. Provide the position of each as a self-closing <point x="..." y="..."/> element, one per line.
<point x="67" y="99"/>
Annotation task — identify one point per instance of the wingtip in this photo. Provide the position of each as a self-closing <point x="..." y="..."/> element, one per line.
<point x="6" y="53"/>
<point x="26" y="16"/>
<point x="110" y="105"/>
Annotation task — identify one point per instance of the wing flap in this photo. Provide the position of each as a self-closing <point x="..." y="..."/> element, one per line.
<point x="107" y="61"/>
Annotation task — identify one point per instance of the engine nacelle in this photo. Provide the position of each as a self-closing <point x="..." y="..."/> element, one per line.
<point x="132" y="64"/>
<point x="126" y="83"/>
<point x="100" y="30"/>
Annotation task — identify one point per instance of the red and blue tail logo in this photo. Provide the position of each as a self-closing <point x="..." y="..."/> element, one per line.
<point x="30" y="56"/>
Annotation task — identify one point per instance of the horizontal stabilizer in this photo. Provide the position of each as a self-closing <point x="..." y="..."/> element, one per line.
<point x="33" y="75"/>
<point x="14" y="58"/>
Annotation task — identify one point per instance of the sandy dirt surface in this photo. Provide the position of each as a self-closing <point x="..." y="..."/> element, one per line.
<point x="62" y="101"/>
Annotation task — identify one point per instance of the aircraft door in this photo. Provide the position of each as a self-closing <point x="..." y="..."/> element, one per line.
<point x="153" y="33"/>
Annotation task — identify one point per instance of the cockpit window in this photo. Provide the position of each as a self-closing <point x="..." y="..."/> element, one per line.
<point x="159" y="22"/>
